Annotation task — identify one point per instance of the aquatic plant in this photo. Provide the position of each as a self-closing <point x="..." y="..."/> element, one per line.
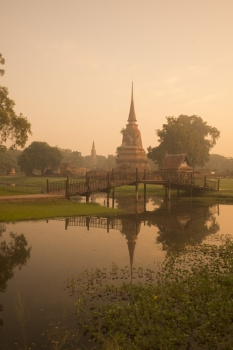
<point x="188" y="304"/>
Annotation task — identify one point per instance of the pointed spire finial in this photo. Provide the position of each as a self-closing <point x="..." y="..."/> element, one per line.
<point x="132" y="116"/>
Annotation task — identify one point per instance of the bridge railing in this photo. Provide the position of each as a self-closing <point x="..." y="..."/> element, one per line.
<point x="62" y="184"/>
<point x="91" y="221"/>
<point x="94" y="181"/>
<point x="56" y="185"/>
<point x="179" y="178"/>
<point x="117" y="178"/>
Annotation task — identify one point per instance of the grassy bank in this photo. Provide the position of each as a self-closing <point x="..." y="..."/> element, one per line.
<point x="18" y="210"/>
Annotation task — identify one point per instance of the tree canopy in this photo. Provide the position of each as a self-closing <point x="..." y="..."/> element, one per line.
<point x="39" y="156"/>
<point x="12" y="253"/>
<point x="185" y="134"/>
<point x="12" y="127"/>
<point x="9" y="160"/>
<point x="73" y="157"/>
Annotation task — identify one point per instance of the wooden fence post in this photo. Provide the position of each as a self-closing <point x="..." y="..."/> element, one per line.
<point x="108" y="195"/>
<point x="67" y="188"/>
<point x="88" y="188"/>
<point x="113" y="197"/>
<point x="169" y="190"/>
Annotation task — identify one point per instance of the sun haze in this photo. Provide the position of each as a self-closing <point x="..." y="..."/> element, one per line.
<point x="70" y="64"/>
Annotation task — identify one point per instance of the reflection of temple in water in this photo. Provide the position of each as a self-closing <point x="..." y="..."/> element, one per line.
<point x="182" y="225"/>
<point x="131" y="229"/>
<point x="178" y="225"/>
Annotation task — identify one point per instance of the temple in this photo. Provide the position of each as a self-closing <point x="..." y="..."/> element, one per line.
<point x="93" y="155"/>
<point x="131" y="155"/>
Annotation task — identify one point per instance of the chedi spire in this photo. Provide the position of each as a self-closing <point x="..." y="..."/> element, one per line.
<point x="131" y="155"/>
<point x="132" y="115"/>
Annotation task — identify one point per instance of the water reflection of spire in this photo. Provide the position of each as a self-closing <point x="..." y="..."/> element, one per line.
<point x="178" y="224"/>
<point x="131" y="230"/>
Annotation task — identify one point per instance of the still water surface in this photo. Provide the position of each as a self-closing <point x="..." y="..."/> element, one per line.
<point x="36" y="308"/>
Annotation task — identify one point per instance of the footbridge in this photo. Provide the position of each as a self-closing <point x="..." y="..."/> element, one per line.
<point x="95" y="181"/>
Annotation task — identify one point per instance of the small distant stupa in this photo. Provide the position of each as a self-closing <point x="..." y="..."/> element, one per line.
<point x="131" y="155"/>
<point x="93" y="155"/>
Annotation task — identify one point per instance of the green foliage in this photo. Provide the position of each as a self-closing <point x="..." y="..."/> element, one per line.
<point x="185" y="134"/>
<point x="9" y="160"/>
<point x="102" y="162"/>
<point x="220" y="164"/>
<point x="12" y="127"/>
<point x="110" y="162"/>
<point x="73" y="157"/>
<point x="189" y="306"/>
<point x="12" y="253"/>
<point x="39" y="156"/>
<point x="2" y="61"/>
<point x="77" y="160"/>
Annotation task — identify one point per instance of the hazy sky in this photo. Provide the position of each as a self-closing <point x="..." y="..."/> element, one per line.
<point x="70" y="64"/>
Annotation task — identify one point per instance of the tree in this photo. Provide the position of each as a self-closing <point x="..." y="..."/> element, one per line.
<point x="9" y="161"/>
<point x="73" y="157"/>
<point x="111" y="161"/>
<point x="39" y="156"/>
<point x="185" y="134"/>
<point x="13" y="253"/>
<point x="12" y="127"/>
<point x="220" y="164"/>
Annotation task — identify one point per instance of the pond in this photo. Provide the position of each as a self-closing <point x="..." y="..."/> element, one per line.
<point x="38" y="258"/>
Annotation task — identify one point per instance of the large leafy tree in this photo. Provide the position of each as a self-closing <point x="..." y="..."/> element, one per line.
<point x="185" y="134"/>
<point x="73" y="157"/>
<point x="9" y="160"/>
<point x="39" y="156"/>
<point x="15" y="128"/>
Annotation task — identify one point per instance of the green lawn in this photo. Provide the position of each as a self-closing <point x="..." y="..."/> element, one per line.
<point x="226" y="184"/>
<point x="18" y="210"/>
<point x="16" y="185"/>
<point x="21" y="180"/>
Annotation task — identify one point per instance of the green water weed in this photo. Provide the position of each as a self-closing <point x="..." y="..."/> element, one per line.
<point x="189" y="305"/>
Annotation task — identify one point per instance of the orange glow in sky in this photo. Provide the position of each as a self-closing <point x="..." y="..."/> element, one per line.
<point x="70" y="64"/>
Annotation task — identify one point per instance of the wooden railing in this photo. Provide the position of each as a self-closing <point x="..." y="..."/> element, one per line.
<point x="102" y="181"/>
<point x="98" y="222"/>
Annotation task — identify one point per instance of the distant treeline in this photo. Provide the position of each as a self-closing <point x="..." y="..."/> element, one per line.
<point x="219" y="164"/>
<point x="9" y="161"/>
